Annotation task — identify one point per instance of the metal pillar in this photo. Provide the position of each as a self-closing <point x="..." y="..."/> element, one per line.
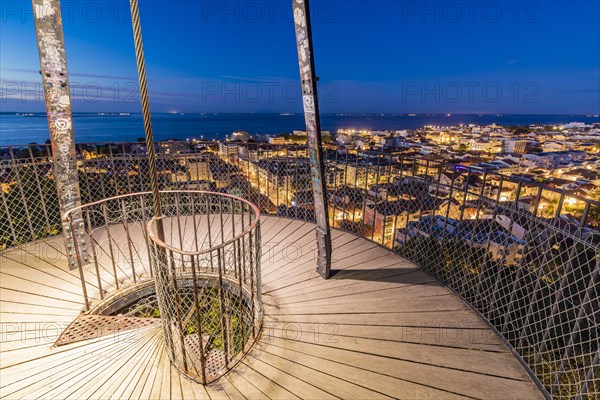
<point x="53" y="67"/>
<point x="313" y="129"/>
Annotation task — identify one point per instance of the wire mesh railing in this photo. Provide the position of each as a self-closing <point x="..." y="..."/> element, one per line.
<point x="205" y="271"/>
<point x="208" y="286"/>
<point x="116" y="246"/>
<point x="524" y="255"/>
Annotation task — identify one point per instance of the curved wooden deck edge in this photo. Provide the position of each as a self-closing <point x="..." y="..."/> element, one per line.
<point x="380" y="328"/>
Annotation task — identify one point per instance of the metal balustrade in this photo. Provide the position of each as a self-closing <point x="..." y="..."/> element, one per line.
<point x="524" y="255"/>
<point x="207" y="271"/>
<point x="117" y="246"/>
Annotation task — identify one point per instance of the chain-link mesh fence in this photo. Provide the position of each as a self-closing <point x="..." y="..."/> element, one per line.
<point x="524" y="255"/>
<point x="206" y="262"/>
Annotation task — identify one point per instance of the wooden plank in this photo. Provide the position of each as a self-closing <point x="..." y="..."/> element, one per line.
<point x="53" y="357"/>
<point x="267" y="385"/>
<point x="216" y="391"/>
<point x="176" y="376"/>
<point x="13" y="280"/>
<point x="28" y="297"/>
<point x="398" y="333"/>
<point x="110" y="373"/>
<point x="230" y="390"/>
<point x="485" y="363"/>
<point x="32" y="265"/>
<point x="437" y="318"/>
<point x="193" y="390"/>
<point x="301" y="268"/>
<point x="138" y="375"/>
<point x="7" y="308"/>
<point x="401" y="379"/>
<point x="165" y="379"/>
<point x="105" y="374"/>
<point x="400" y="280"/>
<point x="77" y="372"/>
<point x="92" y="382"/>
<point x="447" y="336"/>
<point x="320" y="302"/>
<point x="152" y="384"/>
<point x="121" y="379"/>
<point x="8" y="348"/>
<point x="292" y="381"/>
<point x="245" y="386"/>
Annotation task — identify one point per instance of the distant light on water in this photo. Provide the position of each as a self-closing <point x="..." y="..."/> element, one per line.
<point x="113" y="127"/>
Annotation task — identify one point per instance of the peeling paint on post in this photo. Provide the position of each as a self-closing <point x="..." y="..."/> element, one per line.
<point x="53" y="67"/>
<point x="313" y="130"/>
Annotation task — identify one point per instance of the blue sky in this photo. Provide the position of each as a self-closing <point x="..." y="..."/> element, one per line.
<point x="523" y="57"/>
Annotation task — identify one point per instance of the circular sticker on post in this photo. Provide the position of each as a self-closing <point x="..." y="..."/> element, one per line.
<point x="62" y="124"/>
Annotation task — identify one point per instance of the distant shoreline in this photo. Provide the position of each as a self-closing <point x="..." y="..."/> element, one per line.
<point x="17" y="128"/>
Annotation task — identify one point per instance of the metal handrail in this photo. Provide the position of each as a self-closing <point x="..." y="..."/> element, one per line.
<point x="225" y="279"/>
<point x="155" y="238"/>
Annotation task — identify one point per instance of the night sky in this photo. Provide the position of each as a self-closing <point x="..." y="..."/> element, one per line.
<point x="524" y="57"/>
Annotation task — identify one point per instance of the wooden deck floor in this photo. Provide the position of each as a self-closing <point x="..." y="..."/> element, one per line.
<point x="380" y="328"/>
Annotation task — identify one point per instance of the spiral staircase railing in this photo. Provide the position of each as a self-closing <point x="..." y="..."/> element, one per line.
<point x="204" y="277"/>
<point x="208" y="281"/>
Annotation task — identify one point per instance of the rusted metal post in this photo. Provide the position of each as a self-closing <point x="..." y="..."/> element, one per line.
<point x="53" y="67"/>
<point x="313" y="129"/>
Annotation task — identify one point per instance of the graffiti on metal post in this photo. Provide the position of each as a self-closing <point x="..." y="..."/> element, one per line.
<point x="313" y="130"/>
<point x="53" y="67"/>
